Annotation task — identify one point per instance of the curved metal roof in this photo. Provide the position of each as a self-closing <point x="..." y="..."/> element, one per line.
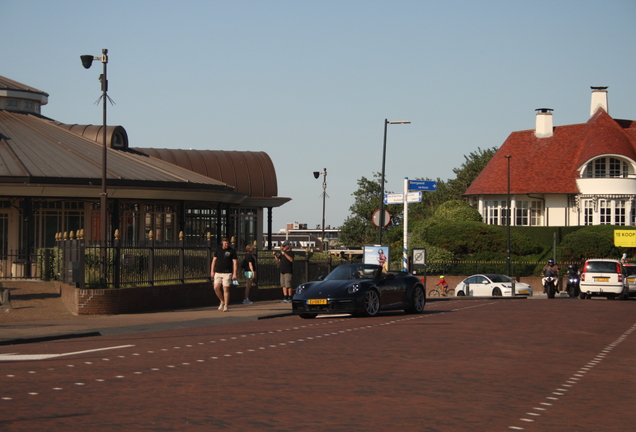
<point x="250" y="172"/>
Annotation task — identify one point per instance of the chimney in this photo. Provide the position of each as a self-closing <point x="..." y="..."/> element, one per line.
<point x="599" y="100"/>
<point x="544" y="127"/>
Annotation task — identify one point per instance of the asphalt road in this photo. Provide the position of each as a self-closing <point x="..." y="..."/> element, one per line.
<point x="483" y="365"/>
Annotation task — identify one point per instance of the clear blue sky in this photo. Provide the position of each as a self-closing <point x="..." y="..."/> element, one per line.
<point x="311" y="82"/>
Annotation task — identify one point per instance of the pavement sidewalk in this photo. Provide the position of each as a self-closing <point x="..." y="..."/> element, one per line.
<point x="38" y="314"/>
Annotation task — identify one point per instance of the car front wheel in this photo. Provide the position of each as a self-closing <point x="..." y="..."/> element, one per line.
<point x="496" y="292"/>
<point x="371" y="303"/>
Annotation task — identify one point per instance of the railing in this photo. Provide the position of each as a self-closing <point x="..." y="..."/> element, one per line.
<point x="17" y="265"/>
<point x="154" y="262"/>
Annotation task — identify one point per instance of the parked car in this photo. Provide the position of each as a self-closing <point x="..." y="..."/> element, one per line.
<point x="491" y="285"/>
<point x="629" y="270"/>
<point x="603" y="277"/>
<point x="359" y="289"/>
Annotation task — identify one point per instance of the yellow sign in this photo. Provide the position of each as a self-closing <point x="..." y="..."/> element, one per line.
<point x="625" y="238"/>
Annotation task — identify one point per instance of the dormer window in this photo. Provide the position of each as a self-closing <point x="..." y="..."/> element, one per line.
<point x="607" y="167"/>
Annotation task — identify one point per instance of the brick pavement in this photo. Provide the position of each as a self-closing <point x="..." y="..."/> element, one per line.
<point x="38" y="313"/>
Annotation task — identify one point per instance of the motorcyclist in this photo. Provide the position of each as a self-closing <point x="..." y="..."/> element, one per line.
<point x="572" y="280"/>
<point x="573" y="271"/>
<point x="551" y="269"/>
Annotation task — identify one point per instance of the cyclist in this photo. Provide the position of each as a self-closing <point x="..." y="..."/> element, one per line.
<point x="443" y="283"/>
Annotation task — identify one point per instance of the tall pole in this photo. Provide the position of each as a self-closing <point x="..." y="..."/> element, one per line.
<point x="386" y="123"/>
<point x="324" y="195"/>
<point x="87" y="61"/>
<point x="508" y="222"/>
<point x="104" y="193"/>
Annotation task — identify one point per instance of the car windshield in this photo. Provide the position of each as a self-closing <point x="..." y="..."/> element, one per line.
<point x="499" y="278"/>
<point x="355" y="271"/>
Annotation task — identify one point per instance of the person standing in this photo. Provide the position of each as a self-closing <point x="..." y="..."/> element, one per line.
<point x="249" y="267"/>
<point x="286" y="261"/>
<point x="223" y="271"/>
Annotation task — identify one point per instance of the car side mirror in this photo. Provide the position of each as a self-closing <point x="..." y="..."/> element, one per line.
<point x="321" y="277"/>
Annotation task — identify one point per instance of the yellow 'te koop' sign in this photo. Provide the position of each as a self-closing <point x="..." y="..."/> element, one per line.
<point x="625" y="238"/>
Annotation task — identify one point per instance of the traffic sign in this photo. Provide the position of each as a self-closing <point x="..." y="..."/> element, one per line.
<point x="375" y="218"/>
<point x="413" y="197"/>
<point x="398" y="198"/>
<point x="393" y="198"/>
<point x="422" y="185"/>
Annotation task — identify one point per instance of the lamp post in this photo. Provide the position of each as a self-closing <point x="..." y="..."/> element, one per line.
<point x="386" y="123"/>
<point x="508" y="222"/>
<point x="87" y="61"/>
<point x="324" y="195"/>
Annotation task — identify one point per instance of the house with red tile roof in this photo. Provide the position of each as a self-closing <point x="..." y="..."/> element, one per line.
<point x="572" y="175"/>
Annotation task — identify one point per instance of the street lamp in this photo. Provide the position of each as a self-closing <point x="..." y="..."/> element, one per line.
<point x="324" y="195"/>
<point x="87" y="61"/>
<point x="386" y="123"/>
<point x="509" y="217"/>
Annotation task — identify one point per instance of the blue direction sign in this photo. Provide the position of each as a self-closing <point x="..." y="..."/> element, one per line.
<point x="422" y="185"/>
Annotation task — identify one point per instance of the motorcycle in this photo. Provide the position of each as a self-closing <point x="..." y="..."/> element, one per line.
<point x="549" y="283"/>
<point x="573" y="288"/>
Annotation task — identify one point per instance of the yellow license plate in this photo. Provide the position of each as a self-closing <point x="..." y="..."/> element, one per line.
<point x="317" y="301"/>
<point x="523" y="292"/>
<point x="601" y="279"/>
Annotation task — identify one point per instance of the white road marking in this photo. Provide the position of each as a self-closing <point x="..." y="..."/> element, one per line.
<point x="29" y="357"/>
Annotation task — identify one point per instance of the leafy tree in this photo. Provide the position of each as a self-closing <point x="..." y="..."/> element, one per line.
<point x="473" y="165"/>
<point x="358" y="229"/>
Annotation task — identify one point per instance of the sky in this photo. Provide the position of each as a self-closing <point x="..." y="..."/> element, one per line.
<point x="311" y="83"/>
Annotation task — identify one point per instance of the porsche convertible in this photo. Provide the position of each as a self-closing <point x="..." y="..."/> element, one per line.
<point x="359" y="289"/>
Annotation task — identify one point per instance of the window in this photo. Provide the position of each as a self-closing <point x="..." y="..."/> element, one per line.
<point x="605" y="212"/>
<point x="588" y="212"/>
<point x="28" y="105"/>
<point x="12" y="103"/>
<point x="619" y="212"/>
<point x="609" y="167"/>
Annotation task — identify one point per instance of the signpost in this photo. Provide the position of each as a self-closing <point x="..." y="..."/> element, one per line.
<point x="423" y="185"/>
<point x="411" y="197"/>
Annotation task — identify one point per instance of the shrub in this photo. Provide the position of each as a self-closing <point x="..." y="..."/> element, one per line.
<point x="584" y="244"/>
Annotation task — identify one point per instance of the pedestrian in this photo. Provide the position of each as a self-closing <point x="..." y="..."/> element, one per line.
<point x="286" y="260"/>
<point x="249" y="269"/>
<point x="624" y="259"/>
<point x="223" y="271"/>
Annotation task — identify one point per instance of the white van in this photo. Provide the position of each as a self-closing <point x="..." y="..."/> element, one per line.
<point x="603" y="277"/>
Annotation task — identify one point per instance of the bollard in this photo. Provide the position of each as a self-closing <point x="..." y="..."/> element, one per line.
<point x="6" y="300"/>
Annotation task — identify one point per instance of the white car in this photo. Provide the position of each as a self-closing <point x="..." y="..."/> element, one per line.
<point x="603" y="278"/>
<point x="491" y="285"/>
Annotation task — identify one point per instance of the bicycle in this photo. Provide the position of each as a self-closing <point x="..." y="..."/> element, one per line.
<point x="442" y="291"/>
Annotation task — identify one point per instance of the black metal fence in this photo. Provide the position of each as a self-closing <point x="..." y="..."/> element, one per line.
<point x="158" y="262"/>
<point x="19" y="265"/>
<point x="155" y="262"/>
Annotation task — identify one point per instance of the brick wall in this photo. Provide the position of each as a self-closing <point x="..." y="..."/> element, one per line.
<point x="154" y="298"/>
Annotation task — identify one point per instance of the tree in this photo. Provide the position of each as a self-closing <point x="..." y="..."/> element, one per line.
<point x="358" y="229"/>
<point x="452" y="189"/>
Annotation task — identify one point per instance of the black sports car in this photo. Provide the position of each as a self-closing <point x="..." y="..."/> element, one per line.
<point x="359" y="289"/>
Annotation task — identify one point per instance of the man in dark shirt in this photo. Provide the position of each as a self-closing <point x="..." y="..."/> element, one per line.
<point x="223" y="271"/>
<point x="286" y="260"/>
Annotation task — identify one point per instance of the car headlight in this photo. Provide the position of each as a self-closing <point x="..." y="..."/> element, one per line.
<point x="353" y="288"/>
<point x="300" y="289"/>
